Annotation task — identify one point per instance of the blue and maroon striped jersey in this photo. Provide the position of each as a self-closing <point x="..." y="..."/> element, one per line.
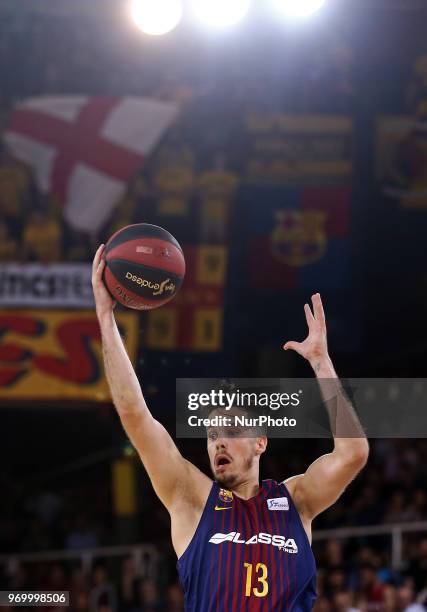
<point x="249" y="555"/>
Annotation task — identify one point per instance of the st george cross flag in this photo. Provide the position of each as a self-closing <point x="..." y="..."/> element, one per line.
<point x="86" y="149"/>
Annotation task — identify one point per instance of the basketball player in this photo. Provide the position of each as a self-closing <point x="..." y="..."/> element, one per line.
<point x="241" y="544"/>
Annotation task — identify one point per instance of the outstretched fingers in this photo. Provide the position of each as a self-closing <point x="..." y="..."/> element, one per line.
<point x="309" y="316"/>
<point x="319" y="313"/>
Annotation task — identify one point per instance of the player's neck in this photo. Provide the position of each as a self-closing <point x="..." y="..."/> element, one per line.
<point x="247" y="489"/>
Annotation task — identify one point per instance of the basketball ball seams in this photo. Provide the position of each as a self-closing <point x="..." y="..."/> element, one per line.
<point x="148" y="269"/>
<point x="140" y="231"/>
<point x="151" y="252"/>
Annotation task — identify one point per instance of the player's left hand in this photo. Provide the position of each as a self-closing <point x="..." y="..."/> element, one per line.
<point x="315" y="346"/>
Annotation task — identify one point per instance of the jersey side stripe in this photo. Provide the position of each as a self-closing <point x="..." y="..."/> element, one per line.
<point x="230" y="549"/>
<point x="279" y="574"/>
<point x="219" y="570"/>
<point x="261" y="548"/>
<point x="282" y="521"/>
<point x="235" y="562"/>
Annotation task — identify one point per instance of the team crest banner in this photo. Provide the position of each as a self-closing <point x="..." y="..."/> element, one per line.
<point x="299" y="237"/>
<point x="51" y="355"/>
<point x="297" y="197"/>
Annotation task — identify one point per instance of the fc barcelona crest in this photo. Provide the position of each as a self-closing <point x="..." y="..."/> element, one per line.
<point x="225" y="496"/>
<point x="299" y="237"/>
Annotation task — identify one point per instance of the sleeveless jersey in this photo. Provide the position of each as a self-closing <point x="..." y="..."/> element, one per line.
<point x="249" y="555"/>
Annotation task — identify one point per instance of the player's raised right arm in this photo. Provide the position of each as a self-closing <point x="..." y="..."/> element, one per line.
<point x="170" y="474"/>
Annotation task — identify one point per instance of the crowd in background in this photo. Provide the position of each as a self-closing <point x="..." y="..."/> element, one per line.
<point x="359" y="580"/>
<point x="353" y="572"/>
<point x="31" y="224"/>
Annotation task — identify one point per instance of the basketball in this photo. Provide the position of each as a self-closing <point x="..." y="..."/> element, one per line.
<point x="145" y="266"/>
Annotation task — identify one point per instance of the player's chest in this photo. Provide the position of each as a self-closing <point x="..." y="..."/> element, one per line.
<point x="261" y="521"/>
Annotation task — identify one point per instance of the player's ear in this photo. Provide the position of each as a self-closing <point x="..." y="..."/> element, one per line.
<point x="261" y="444"/>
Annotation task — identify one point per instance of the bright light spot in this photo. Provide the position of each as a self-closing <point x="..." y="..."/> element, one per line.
<point x="157" y="17"/>
<point x="221" y="13"/>
<point x="299" y="8"/>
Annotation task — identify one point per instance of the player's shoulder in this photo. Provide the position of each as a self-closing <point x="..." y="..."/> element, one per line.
<point x="270" y="484"/>
<point x="291" y="483"/>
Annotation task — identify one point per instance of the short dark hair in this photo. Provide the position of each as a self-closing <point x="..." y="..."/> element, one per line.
<point x="229" y="386"/>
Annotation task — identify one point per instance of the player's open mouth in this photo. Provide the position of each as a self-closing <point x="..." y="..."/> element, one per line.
<point x="221" y="461"/>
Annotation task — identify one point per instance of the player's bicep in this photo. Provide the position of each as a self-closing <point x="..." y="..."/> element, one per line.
<point x="324" y="482"/>
<point x="168" y="471"/>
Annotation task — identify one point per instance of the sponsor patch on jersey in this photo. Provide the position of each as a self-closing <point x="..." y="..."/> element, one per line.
<point x="286" y="544"/>
<point x="278" y="503"/>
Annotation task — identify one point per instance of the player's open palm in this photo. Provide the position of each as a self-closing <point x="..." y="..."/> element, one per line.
<point x="315" y="346"/>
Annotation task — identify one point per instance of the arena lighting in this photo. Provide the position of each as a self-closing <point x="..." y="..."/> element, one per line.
<point x="220" y="13"/>
<point x="299" y="8"/>
<point x="156" y="17"/>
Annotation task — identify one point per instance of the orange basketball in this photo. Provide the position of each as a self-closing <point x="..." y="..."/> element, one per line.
<point x="145" y="266"/>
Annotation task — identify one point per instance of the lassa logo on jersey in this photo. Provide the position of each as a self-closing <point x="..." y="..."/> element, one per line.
<point x="286" y="544"/>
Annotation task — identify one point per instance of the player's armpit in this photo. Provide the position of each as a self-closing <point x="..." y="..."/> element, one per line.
<point x="325" y="481"/>
<point x="171" y="475"/>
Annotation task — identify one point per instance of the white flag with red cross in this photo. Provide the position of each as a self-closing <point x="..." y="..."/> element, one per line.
<point x="86" y="149"/>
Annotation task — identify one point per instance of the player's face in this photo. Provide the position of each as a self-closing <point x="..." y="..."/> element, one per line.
<point x="233" y="457"/>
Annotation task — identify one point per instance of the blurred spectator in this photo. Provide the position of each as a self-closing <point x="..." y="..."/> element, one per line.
<point x="82" y="536"/>
<point x="147" y="597"/>
<point x="56" y="580"/>
<point x="173" y="180"/>
<point x="77" y="245"/>
<point x="342" y="601"/>
<point x="125" y="211"/>
<point x="103" y="594"/>
<point x="41" y="240"/>
<point x="129" y="581"/>
<point x="322" y="604"/>
<point x="16" y="190"/>
<point x="80" y="601"/>
<point x="216" y="189"/>
<point x="46" y="505"/>
<point x="8" y="246"/>
<point x="418" y="566"/>
<point x="175" y="598"/>
<point x="370" y="588"/>
<point x="405" y="600"/>
<point x="79" y="585"/>
<point x="333" y="554"/>
<point x="399" y="510"/>
<point x="336" y="580"/>
<point x="367" y="508"/>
